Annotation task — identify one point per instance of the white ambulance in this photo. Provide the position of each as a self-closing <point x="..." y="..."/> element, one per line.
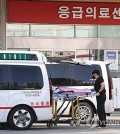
<point x="24" y="89"/>
<point x="78" y="74"/>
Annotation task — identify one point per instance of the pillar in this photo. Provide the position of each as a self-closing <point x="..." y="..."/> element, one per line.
<point x="3" y="25"/>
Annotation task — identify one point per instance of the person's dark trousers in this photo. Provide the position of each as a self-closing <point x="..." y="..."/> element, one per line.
<point x="101" y="109"/>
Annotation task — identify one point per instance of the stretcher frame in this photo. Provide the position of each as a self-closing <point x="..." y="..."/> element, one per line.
<point x="70" y="98"/>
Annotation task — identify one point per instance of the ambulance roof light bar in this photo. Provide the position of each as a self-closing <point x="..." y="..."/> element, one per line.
<point x="23" y="55"/>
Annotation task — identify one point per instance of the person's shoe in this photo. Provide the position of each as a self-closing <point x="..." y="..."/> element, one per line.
<point x="93" y="126"/>
<point x="98" y="127"/>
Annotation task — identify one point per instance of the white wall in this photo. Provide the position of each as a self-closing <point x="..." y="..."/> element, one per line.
<point x="63" y="44"/>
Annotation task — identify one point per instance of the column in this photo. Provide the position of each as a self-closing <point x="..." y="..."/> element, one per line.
<point x="3" y="25"/>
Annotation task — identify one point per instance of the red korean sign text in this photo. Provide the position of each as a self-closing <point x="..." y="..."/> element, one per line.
<point x="23" y="11"/>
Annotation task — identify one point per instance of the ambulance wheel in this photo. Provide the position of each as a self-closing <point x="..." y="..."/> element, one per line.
<point x="86" y="112"/>
<point x="21" y="118"/>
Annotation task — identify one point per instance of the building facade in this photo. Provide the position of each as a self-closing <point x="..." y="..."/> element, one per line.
<point x="63" y="28"/>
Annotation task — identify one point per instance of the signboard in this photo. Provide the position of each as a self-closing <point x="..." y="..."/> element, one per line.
<point x="112" y="56"/>
<point x="47" y="53"/>
<point x="65" y="54"/>
<point x="54" y="12"/>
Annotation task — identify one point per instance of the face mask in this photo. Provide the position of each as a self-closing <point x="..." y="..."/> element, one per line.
<point x="93" y="77"/>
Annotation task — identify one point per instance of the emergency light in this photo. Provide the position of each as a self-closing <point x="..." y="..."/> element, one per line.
<point x="18" y="56"/>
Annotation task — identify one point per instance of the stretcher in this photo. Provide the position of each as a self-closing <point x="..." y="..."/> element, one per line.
<point x="70" y="95"/>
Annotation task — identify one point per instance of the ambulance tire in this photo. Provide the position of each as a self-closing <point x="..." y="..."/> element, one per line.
<point x="21" y="118"/>
<point x="86" y="112"/>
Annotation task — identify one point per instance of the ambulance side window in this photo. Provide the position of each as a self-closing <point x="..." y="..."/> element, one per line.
<point x="3" y="77"/>
<point x="25" y="77"/>
<point x="71" y="74"/>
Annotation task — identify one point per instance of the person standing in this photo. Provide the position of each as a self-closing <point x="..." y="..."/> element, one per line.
<point x="100" y="97"/>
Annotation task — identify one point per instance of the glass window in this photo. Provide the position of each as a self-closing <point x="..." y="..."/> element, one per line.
<point x="25" y="78"/>
<point x="109" y="31"/>
<point x="3" y="77"/>
<point x="59" y="74"/>
<point x="17" y="30"/>
<point x="52" y="30"/>
<point x="83" y="74"/>
<point x="86" y="31"/>
<point x="84" y="54"/>
<point x="71" y="75"/>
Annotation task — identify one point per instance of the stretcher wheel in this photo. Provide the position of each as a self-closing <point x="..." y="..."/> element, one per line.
<point x="55" y="125"/>
<point x="72" y="123"/>
<point x="51" y="125"/>
<point x="77" y="124"/>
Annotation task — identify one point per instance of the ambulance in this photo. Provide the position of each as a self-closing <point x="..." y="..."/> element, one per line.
<point x="77" y="74"/>
<point x="24" y="89"/>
